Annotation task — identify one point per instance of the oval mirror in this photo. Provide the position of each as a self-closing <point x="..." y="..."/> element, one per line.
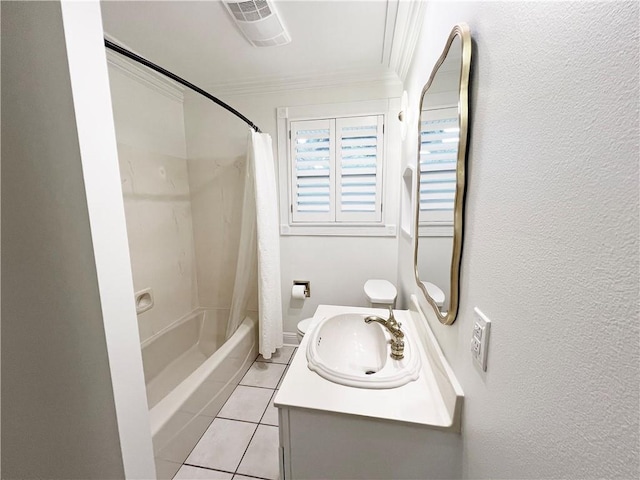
<point x="441" y="176"/>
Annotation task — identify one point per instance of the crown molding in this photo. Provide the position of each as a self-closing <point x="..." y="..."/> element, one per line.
<point x="260" y="85"/>
<point x="144" y="75"/>
<point x="282" y="83"/>
<point x="389" y="28"/>
<point x="409" y="20"/>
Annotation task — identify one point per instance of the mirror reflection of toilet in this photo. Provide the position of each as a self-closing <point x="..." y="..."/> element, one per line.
<point x="435" y="293"/>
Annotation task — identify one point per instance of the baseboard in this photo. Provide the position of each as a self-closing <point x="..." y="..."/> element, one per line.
<point x="290" y="338"/>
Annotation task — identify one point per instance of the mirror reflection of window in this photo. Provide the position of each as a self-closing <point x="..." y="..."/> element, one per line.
<point x="439" y="140"/>
<point x="441" y="173"/>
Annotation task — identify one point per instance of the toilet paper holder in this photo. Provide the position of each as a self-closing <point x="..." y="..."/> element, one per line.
<point x="306" y="284"/>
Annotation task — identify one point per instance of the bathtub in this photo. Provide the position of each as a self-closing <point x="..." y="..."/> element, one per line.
<point x="190" y="372"/>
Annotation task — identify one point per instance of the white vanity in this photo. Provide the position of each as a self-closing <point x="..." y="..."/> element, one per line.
<point x="336" y="431"/>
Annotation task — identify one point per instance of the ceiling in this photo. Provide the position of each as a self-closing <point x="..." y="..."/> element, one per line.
<point x="198" y="40"/>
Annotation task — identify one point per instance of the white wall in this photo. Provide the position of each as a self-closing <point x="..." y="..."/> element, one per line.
<point x="551" y="237"/>
<point x="73" y="393"/>
<point x="337" y="267"/>
<point x="149" y="124"/>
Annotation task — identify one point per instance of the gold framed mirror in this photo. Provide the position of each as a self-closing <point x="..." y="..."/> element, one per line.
<point x="440" y="185"/>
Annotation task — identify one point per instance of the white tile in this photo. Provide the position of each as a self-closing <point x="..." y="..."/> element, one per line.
<point x="262" y="374"/>
<point x="222" y="445"/>
<point x="246" y="403"/>
<point x="281" y="355"/>
<point x="282" y="378"/>
<point x="261" y="459"/>
<point x="270" y="416"/>
<point x="188" y="472"/>
<point x="242" y="477"/>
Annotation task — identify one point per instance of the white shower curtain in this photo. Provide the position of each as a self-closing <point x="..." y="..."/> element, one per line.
<point x="259" y="219"/>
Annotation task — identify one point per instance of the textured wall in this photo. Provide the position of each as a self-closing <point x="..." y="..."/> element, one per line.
<point x="551" y="237"/>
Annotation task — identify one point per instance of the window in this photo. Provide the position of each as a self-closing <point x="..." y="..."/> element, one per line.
<point x="438" y="159"/>
<point x="336" y="170"/>
<point x="333" y="176"/>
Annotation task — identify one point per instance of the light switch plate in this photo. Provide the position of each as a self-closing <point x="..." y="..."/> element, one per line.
<point x="480" y="338"/>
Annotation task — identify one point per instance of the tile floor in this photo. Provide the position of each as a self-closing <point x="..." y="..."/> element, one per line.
<point x="242" y="441"/>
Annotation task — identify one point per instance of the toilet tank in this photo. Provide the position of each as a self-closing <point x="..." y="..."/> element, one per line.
<point x="380" y="293"/>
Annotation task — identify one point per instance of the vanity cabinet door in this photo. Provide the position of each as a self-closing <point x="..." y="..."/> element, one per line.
<point x="318" y="444"/>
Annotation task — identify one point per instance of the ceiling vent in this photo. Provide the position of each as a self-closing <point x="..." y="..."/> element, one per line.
<point x="259" y="22"/>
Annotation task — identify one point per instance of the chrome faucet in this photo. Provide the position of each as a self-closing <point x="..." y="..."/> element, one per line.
<point x="397" y="344"/>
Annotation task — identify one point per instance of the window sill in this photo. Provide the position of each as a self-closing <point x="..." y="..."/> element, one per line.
<point x="333" y="230"/>
<point x="445" y="230"/>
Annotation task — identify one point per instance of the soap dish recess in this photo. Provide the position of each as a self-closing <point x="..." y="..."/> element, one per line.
<point x="144" y="300"/>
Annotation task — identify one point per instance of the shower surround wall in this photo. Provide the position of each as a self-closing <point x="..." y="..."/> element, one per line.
<point x="217" y="188"/>
<point x="183" y="204"/>
<point x="157" y="196"/>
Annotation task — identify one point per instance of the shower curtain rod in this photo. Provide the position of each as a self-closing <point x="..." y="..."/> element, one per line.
<point x="173" y="76"/>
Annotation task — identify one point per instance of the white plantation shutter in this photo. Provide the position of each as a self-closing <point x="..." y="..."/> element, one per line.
<point x="312" y="170"/>
<point x="336" y="170"/>
<point x="359" y="168"/>
<point x="439" y="133"/>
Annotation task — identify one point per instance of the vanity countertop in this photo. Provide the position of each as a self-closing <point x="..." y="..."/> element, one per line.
<point x="433" y="400"/>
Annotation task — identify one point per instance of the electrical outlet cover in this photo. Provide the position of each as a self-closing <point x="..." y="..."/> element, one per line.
<point x="481" y="329"/>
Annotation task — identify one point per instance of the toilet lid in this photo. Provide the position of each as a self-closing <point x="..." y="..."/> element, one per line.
<point x="435" y="292"/>
<point x="303" y="325"/>
<point x="380" y="291"/>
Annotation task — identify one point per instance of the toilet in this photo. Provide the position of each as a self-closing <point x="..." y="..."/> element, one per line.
<point x="435" y="293"/>
<point x="303" y="327"/>
<point x="380" y="293"/>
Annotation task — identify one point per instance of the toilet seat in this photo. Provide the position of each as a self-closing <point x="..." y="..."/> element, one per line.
<point x="303" y="326"/>
<point x="435" y="293"/>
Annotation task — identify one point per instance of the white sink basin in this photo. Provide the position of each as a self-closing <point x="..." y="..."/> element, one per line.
<point x="345" y="350"/>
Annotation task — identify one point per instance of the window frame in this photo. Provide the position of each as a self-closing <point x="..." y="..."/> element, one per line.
<point x="385" y="227"/>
